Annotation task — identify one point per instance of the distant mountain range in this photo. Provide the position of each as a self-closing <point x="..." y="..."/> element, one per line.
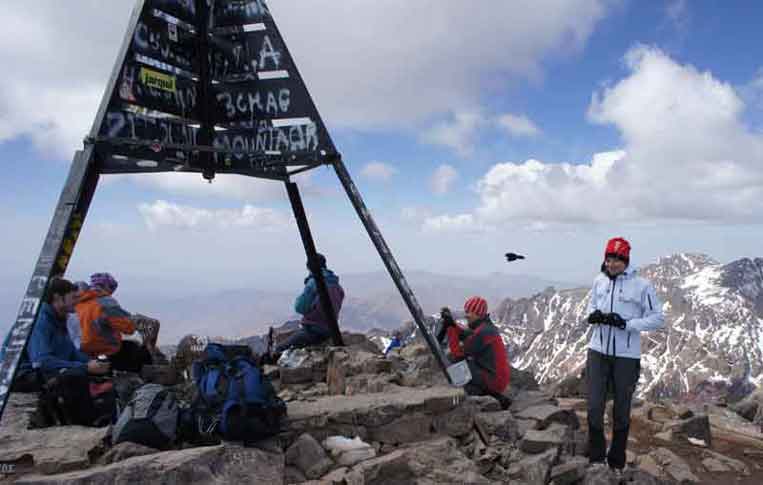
<point x="713" y="335"/>
<point x="372" y="301"/>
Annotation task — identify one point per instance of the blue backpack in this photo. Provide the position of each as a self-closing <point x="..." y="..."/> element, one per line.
<point x="234" y="398"/>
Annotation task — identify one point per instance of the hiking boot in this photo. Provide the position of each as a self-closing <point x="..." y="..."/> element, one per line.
<point x="619" y="475"/>
<point x="505" y="402"/>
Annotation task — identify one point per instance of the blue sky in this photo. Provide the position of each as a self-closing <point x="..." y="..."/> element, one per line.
<point x="439" y="109"/>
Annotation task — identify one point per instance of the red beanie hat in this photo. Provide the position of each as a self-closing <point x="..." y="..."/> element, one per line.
<point x="618" y="247"/>
<point x="476" y="305"/>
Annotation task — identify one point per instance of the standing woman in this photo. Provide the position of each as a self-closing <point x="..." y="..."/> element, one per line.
<point x="622" y="306"/>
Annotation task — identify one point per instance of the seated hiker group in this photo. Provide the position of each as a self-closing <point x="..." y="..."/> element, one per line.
<point x="76" y="342"/>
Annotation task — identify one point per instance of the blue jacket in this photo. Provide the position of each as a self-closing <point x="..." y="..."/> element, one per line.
<point x="634" y="299"/>
<point x="50" y="348"/>
<point x="308" y="303"/>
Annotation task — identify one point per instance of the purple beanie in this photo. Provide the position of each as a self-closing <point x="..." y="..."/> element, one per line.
<point x="104" y="281"/>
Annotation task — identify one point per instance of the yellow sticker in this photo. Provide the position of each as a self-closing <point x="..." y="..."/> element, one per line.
<point x="154" y="79"/>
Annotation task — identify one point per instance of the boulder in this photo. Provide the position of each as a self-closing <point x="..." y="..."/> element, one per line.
<point x="456" y="423"/>
<point x="535" y="469"/>
<point x="660" y="414"/>
<point x="721" y="461"/>
<point x="714" y="465"/>
<point x="570" y="472"/>
<point x="600" y="475"/>
<point x="389" y="418"/>
<point x="345" y="362"/>
<point x="123" y="451"/>
<point x="303" y="366"/>
<point x="640" y="477"/>
<point x="213" y="464"/>
<point x="408" y="428"/>
<point x="484" y="404"/>
<point x="293" y="475"/>
<point x="545" y="414"/>
<point x="682" y="412"/>
<point x="696" y="427"/>
<point x="189" y="349"/>
<point x="648" y="464"/>
<point x="522" y="380"/>
<point x="538" y="441"/>
<point x="436" y="461"/>
<point x="52" y="450"/>
<point x="309" y="457"/>
<point x="673" y="466"/>
<point x="501" y="425"/>
<point x="360" y="341"/>
<point x="420" y="369"/>
<point x="572" y="386"/>
<point x="748" y="409"/>
<point x="528" y="399"/>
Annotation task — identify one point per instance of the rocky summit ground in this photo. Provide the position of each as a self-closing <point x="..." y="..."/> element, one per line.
<point x="358" y="418"/>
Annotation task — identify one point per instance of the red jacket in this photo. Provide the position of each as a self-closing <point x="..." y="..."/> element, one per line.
<point x="483" y="347"/>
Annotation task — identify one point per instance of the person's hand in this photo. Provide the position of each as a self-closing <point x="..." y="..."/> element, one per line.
<point x="616" y="320"/>
<point x="597" y="318"/>
<point x="447" y="317"/>
<point x="98" y="368"/>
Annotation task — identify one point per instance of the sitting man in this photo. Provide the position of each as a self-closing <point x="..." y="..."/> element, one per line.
<point x="314" y="324"/>
<point x="60" y="364"/>
<point x="103" y="322"/>
<point x="482" y="347"/>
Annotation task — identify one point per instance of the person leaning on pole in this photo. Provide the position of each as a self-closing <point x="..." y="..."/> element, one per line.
<point x="622" y="306"/>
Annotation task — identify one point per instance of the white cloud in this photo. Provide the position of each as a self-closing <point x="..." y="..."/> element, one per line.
<point x="462" y="131"/>
<point x="443" y="56"/>
<point x="442" y="179"/>
<point x="378" y="171"/>
<point x="167" y="214"/>
<point x="518" y="125"/>
<point x="460" y="223"/>
<point x="687" y="156"/>
<point x="459" y="133"/>
<point x="416" y="214"/>
<point x="57" y="58"/>
<point x="238" y="187"/>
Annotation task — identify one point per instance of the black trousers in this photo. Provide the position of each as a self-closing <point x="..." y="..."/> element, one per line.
<point x="131" y="357"/>
<point x="621" y="375"/>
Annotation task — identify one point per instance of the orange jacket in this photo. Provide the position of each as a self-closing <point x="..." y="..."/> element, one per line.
<point x="103" y="322"/>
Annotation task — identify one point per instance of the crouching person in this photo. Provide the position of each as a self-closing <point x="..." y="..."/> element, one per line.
<point x="482" y="347"/>
<point x="65" y="371"/>
<point x="314" y="326"/>
<point x="103" y="323"/>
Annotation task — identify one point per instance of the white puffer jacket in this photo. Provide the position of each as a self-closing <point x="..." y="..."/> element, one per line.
<point x="634" y="299"/>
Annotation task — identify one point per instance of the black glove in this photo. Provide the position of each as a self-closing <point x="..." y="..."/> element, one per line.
<point x="446" y="317"/>
<point x="597" y="318"/>
<point x="616" y="321"/>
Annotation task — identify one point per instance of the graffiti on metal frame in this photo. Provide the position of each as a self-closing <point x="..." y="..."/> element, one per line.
<point x="240" y="57"/>
<point x="239" y="12"/>
<point x="164" y="41"/>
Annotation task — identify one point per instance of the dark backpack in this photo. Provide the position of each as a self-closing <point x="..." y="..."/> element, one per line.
<point x="149" y="419"/>
<point x="235" y="399"/>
